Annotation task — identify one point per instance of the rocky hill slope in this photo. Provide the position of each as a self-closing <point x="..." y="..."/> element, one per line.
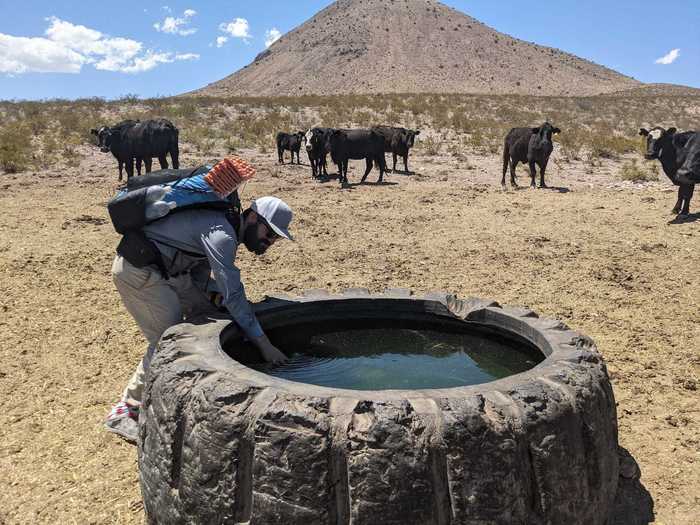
<point x="416" y="46"/>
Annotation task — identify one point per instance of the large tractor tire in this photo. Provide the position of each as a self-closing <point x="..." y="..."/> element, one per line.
<point x="222" y="443"/>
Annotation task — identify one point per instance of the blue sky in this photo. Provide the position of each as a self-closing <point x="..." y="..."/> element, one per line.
<point x="72" y="49"/>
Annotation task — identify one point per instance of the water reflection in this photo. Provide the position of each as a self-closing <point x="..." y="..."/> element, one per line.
<point x="381" y="355"/>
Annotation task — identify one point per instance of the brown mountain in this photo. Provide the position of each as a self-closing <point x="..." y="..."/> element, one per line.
<point x="411" y="46"/>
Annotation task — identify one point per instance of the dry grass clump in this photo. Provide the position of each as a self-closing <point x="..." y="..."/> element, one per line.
<point x="15" y="147"/>
<point x="632" y="171"/>
<point x="430" y="146"/>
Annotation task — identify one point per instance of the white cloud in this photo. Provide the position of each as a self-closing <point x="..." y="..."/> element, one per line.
<point x="187" y="56"/>
<point x="670" y="57"/>
<point x="69" y="47"/>
<point x="37" y="55"/>
<point x="272" y="36"/>
<point x="80" y="38"/>
<point x="238" y="28"/>
<point x="177" y="26"/>
<point x="221" y="40"/>
<point x="152" y="60"/>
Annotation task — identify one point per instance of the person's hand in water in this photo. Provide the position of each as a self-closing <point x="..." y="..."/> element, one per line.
<point x="270" y="352"/>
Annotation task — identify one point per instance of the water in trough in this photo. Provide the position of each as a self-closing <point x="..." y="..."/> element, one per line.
<point x="391" y="354"/>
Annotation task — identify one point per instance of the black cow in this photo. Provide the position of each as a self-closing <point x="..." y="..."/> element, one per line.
<point x="105" y="142"/>
<point x="131" y="141"/>
<point x="669" y="147"/>
<point x="398" y="141"/>
<point x="289" y="142"/>
<point x="345" y="144"/>
<point x="316" y="141"/>
<point x="528" y="145"/>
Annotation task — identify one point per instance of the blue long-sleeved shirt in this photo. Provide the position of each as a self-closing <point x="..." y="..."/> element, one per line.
<point x="209" y="238"/>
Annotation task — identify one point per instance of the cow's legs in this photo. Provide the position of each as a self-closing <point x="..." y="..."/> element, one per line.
<point x="343" y="170"/>
<point x="129" y="165"/>
<point x="405" y="163"/>
<point x="175" y="156"/>
<point x="312" y="161"/>
<point x="382" y="167"/>
<point x="121" y="168"/>
<point x="163" y="160"/>
<point x="395" y="158"/>
<point x="324" y="163"/>
<point x="148" y="161"/>
<point x="513" y="164"/>
<point x="506" y="161"/>
<point x="367" y="170"/>
<point x="679" y="201"/>
<point x="543" y="168"/>
<point x="533" y="173"/>
<point x="688" y="190"/>
<point x="138" y="166"/>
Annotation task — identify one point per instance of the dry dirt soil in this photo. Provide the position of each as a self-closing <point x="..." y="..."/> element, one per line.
<point x="599" y="254"/>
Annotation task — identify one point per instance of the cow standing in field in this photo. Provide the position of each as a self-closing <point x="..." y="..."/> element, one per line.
<point x="289" y="142"/>
<point x="528" y="145"/>
<point x="398" y="142"/>
<point x="104" y="141"/>
<point x="131" y="141"/>
<point x="316" y="142"/>
<point x="669" y="147"/>
<point x="356" y="144"/>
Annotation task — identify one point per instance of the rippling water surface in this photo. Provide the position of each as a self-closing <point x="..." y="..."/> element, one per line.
<point x="382" y="357"/>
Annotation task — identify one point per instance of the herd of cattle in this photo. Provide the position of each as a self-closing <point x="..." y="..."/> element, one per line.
<point x="134" y="142"/>
<point x="345" y="144"/>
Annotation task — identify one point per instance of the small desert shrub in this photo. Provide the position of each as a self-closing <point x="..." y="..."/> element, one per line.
<point x="203" y="138"/>
<point x="50" y="148"/>
<point x="571" y="143"/>
<point x="15" y="147"/>
<point x="233" y="144"/>
<point x="604" y="145"/>
<point x="476" y="140"/>
<point x="431" y="146"/>
<point x="457" y="150"/>
<point x="632" y="171"/>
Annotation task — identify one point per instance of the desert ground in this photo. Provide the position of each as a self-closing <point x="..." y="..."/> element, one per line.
<point x="601" y="253"/>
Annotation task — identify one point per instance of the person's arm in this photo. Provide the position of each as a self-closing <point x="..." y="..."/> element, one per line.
<point x="220" y="249"/>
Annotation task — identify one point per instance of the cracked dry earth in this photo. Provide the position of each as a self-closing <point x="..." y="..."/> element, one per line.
<point x="597" y="253"/>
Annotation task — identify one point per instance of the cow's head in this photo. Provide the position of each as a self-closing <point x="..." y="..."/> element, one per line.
<point x="308" y="136"/>
<point x="301" y="135"/>
<point x="545" y="132"/>
<point x="104" y="138"/>
<point x="657" y="139"/>
<point x="314" y="138"/>
<point x="409" y="136"/>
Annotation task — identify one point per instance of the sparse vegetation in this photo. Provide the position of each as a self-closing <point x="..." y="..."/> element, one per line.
<point x="15" y="147"/>
<point x="632" y="171"/>
<point x="593" y="128"/>
<point x="430" y="146"/>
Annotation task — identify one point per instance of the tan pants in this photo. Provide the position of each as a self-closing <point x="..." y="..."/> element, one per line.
<point x="156" y="304"/>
